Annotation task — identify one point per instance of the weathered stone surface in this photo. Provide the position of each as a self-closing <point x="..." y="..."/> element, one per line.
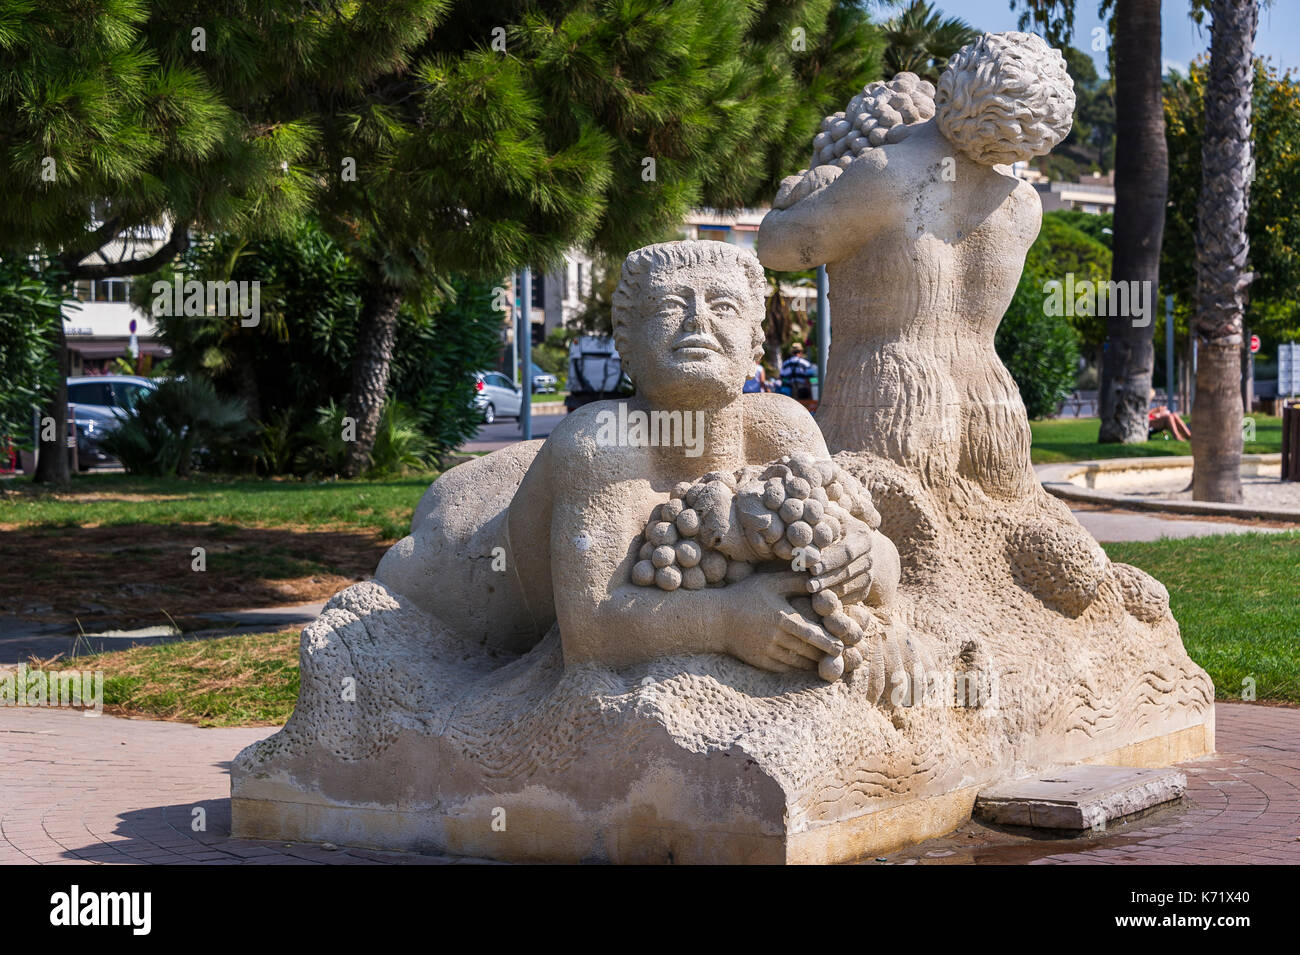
<point x="512" y="686"/>
<point x="1079" y="797"/>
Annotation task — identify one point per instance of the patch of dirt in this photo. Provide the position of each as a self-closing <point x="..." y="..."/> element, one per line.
<point x="136" y="575"/>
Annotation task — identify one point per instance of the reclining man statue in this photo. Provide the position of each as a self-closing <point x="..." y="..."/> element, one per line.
<point x="688" y="323"/>
<point x="692" y="522"/>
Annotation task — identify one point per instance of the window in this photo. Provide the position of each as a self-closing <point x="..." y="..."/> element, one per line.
<point x="720" y="233"/>
<point x="500" y="381"/>
<point x="580" y="289"/>
<point x="109" y="290"/>
<point x="83" y="290"/>
<point x="127" y="394"/>
<point x="91" y="393"/>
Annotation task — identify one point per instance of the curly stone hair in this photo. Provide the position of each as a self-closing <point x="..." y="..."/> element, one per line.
<point x="667" y="256"/>
<point x="1004" y="98"/>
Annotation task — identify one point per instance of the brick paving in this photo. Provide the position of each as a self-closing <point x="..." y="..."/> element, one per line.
<point x="103" y="790"/>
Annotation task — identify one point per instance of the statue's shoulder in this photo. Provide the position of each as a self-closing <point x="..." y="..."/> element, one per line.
<point x="779" y="418"/>
<point x="583" y="429"/>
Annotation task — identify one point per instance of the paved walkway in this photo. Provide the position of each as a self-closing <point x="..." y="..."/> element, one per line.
<point x="1119" y="525"/>
<point x="103" y="790"/>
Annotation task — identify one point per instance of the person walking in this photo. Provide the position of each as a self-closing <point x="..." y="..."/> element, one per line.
<point x="797" y="374"/>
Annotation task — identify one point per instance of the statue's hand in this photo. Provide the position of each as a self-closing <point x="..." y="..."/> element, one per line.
<point x="845" y="566"/>
<point x="770" y="633"/>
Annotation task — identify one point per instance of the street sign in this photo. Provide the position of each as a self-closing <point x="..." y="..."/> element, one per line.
<point x="1254" y="344"/>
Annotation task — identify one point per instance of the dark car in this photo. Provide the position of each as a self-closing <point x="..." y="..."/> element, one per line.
<point x="96" y="406"/>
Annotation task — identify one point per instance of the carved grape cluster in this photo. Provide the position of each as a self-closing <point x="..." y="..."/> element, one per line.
<point x="880" y="114"/>
<point x="671" y="556"/>
<point x="715" y="531"/>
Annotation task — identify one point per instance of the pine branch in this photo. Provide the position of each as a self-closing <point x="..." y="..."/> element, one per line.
<point x="177" y="243"/>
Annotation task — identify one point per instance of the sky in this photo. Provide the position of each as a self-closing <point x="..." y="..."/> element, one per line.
<point x="1278" y="36"/>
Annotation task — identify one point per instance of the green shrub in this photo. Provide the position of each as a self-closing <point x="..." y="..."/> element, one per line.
<point x="183" y="419"/>
<point x="1041" y="351"/>
<point x="400" y="444"/>
<point x="29" y="320"/>
<point x="298" y="359"/>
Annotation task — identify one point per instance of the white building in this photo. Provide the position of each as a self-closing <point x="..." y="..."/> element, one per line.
<point x="99" y="318"/>
<point x="1095" y="195"/>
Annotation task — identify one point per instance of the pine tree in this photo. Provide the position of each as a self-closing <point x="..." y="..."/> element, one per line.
<point x="437" y="136"/>
<point x="513" y="132"/>
<point x="110" y="129"/>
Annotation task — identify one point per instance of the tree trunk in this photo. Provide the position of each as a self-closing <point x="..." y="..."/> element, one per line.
<point x="52" y="465"/>
<point x="247" y="391"/>
<point x="1141" y="187"/>
<point x="370" y="366"/>
<point x="1222" y="250"/>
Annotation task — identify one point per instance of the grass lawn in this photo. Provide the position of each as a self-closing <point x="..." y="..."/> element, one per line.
<point x="1075" y="439"/>
<point x="113" y="550"/>
<point x="229" y="681"/>
<point x="1230" y="594"/>
<point x="99" y="500"/>
<point x="1235" y="598"/>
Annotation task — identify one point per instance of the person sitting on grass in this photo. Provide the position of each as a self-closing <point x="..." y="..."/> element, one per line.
<point x="1160" y="418"/>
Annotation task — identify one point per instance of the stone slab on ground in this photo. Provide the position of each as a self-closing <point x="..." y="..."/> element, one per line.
<point x="1079" y="797"/>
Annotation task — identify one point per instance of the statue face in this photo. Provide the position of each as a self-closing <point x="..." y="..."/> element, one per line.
<point x="695" y="341"/>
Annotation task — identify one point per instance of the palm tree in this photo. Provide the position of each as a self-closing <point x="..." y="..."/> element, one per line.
<point x="1141" y="190"/>
<point x="1222" y="248"/>
<point x="921" y="41"/>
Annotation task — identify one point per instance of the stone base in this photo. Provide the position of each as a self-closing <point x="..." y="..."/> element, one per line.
<point x="1078" y="798"/>
<point x="689" y="760"/>
<point x="412" y="735"/>
<point x="543" y="830"/>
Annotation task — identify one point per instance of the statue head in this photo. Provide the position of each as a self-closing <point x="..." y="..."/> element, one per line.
<point x="1004" y="98"/>
<point x="688" y="320"/>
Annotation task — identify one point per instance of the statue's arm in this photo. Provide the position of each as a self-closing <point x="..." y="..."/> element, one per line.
<point x="603" y="616"/>
<point x="833" y="220"/>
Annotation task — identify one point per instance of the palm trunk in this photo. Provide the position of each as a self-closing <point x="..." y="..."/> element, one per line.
<point x="1141" y="188"/>
<point x="1222" y="250"/>
<point x="52" y="464"/>
<point x="370" y="366"/>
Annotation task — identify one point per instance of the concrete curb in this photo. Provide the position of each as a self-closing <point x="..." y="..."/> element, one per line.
<point x="1058" y="480"/>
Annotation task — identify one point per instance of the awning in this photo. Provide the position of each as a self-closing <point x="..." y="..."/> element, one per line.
<point x="115" y="348"/>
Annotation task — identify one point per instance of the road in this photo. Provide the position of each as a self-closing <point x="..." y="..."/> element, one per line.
<point x="504" y="431"/>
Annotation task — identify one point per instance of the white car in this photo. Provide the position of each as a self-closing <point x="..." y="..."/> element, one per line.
<point x="496" y="396"/>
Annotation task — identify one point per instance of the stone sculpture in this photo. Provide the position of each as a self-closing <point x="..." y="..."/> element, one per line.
<point x="678" y="630"/>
